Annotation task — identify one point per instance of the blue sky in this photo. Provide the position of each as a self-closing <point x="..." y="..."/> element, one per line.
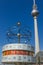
<point x="12" y="11"/>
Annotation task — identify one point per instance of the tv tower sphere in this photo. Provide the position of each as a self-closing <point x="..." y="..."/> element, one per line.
<point x="34" y="12"/>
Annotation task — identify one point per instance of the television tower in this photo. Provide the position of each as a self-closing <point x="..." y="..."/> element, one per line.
<point x="35" y="13"/>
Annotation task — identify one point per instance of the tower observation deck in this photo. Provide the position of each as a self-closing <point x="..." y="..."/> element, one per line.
<point x="19" y="52"/>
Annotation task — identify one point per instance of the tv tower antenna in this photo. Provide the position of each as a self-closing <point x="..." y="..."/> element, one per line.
<point x="35" y="13"/>
<point x="34" y="2"/>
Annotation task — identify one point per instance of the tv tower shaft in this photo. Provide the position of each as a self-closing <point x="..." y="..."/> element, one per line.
<point x="36" y="36"/>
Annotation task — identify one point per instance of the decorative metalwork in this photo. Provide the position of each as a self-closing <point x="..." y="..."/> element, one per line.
<point x="18" y="33"/>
